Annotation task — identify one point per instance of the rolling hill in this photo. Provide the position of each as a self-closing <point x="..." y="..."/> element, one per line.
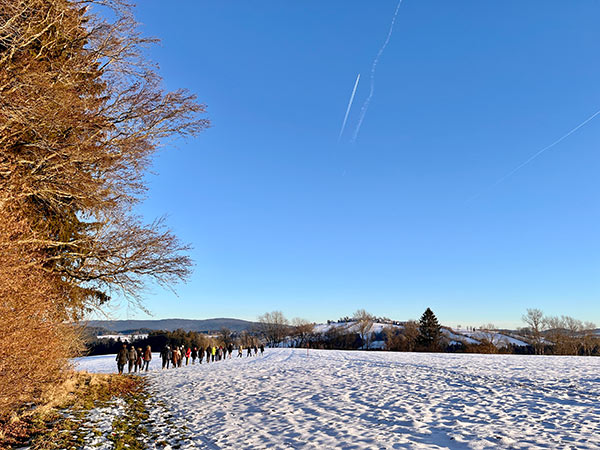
<point x="205" y="325"/>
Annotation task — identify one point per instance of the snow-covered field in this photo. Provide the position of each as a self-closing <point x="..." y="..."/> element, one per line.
<point x="375" y="400"/>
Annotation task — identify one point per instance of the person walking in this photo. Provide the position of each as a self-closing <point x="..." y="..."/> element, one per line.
<point x="166" y="356"/>
<point x="249" y="351"/>
<point x="255" y="350"/>
<point x="208" y="353"/>
<point x="188" y="353"/>
<point x="194" y="355"/>
<point x="240" y="351"/>
<point x="200" y="354"/>
<point x="181" y="355"/>
<point x="147" y="358"/>
<point x="213" y="353"/>
<point x="262" y="349"/>
<point x="122" y="358"/>
<point x="176" y="357"/>
<point x="132" y="358"/>
<point x="139" y="359"/>
<point x="230" y="350"/>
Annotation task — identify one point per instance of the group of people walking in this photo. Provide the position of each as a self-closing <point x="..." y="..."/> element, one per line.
<point x="138" y="360"/>
<point x="176" y="355"/>
<point x="135" y="359"/>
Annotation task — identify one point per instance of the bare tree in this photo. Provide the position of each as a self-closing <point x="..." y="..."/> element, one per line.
<point x="411" y="334"/>
<point x="81" y="116"/>
<point x="302" y="331"/>
<point x="364" y="322"/>
<point x="590" y="339"/>
<point x="273" y="327"/>
<point x="535" y="327"/>
<point x="491" y="339"/>
<point x="225" y="336"/>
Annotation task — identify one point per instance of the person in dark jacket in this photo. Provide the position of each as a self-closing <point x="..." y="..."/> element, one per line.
<point x="139" y="359"/>
<point x="166" y="356"/>
<point x="147" y="358"/>
<point x="262" y="349"/>
<point x="122" y="358"/>
<point x="200" y="354"/>
<point x="132" y="357"/>
<point x="194" y="355"/>
<point x="230" y="350"/>
<point x="208" y="353"/>
<point x="249" y="352"/>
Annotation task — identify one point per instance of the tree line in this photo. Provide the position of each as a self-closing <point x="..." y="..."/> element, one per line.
<point x="549" y="335"/>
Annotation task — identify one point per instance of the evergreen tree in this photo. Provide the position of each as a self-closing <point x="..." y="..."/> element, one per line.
<point x="429" y="331"/>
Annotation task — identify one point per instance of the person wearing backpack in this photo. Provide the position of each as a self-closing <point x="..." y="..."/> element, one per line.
<point x="132" y="358"/>
<point x="122" y="358"/>
<point x="139" y="359"/>
<point x="166" y="356"/>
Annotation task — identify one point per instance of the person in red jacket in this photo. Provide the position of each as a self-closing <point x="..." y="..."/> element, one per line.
<point x="188" y="352"/>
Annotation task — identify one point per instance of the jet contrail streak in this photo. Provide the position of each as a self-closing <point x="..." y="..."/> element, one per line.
<point x="365" y="105"/>
<point x="348" y="109"/>
<point x="534" y="156"/>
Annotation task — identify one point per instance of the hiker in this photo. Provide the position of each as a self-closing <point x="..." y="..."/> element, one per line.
<point x="188" y="352"/>
<point x="230" y="350"/>
<point x="249" y="351"/>
<point x="255" y="350"/>
<point x="219" y="353"/>
<point x="200" y="354"/>
<point x="181" y="355"/>
<point x="208" y="353"/>
<point x="138" y="360"/>
<point x="240" y="351"/>
<point x="213" y="352"/>
<point x="194" y="355"/>
<point x="176" y="357"/>
<point x="166" y="356"/>
<point x="132" y="358"/>
<point x="262" y="349"/>
<point x="122" y="358"/>
<point x="147" y="358"/>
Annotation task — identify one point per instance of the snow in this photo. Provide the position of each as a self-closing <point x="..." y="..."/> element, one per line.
<point x="499" y="339"/>
<point x="375" y="400"/>
<point x="351" y="327"/>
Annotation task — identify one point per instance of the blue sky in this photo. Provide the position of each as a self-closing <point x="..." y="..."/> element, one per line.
<point x="282" y="216"/>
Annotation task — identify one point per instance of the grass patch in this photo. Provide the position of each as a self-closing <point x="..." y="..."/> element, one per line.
<point x="60" y="421"/>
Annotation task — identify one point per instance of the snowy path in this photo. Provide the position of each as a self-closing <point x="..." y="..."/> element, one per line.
<point x="377" y="400"/>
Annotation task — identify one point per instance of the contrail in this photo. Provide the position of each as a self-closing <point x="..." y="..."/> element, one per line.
<point x="532" y="157"/>
<point x="348" y="109"/>
<point x="365" y="105"/>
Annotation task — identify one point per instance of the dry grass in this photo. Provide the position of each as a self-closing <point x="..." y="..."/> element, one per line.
<point x="40" y="424"/>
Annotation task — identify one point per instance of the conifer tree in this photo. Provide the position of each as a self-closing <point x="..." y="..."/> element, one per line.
<point x="429" y="331"/>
